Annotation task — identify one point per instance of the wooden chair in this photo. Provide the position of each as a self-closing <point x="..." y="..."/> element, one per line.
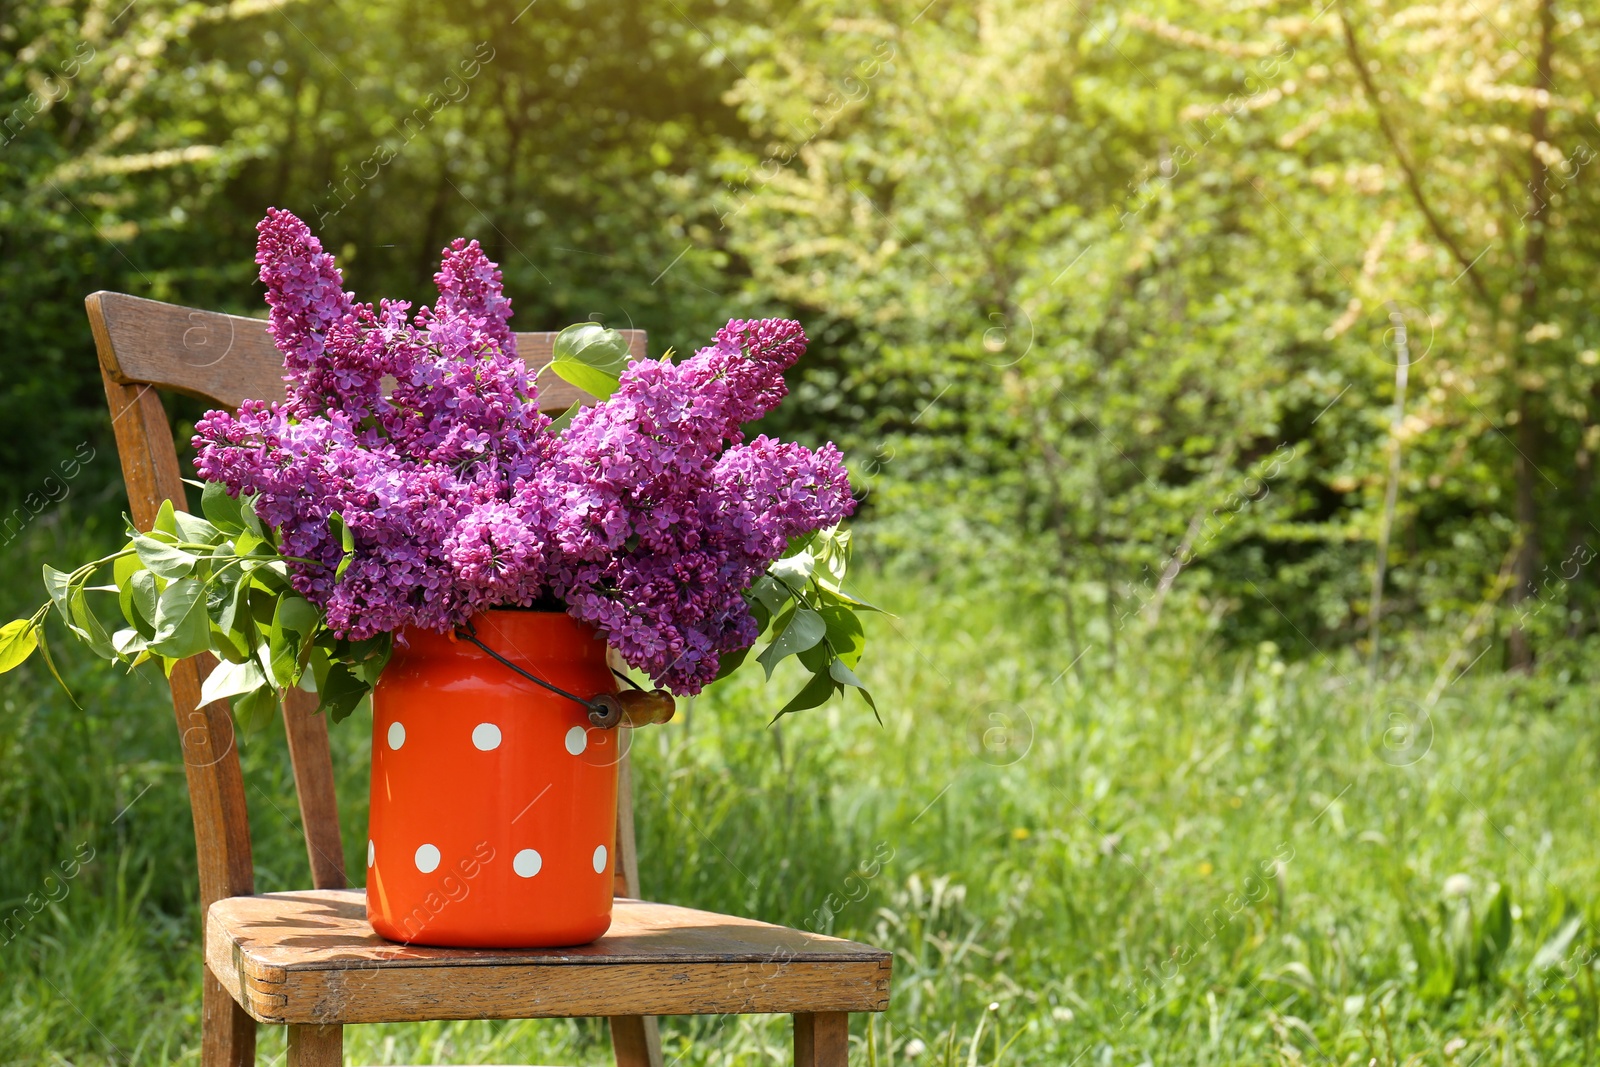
<point x="309" y="960"/>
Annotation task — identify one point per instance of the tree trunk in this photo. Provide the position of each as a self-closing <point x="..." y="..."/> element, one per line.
<point x="1520" y="651"/>
<point x="1582" y="489"/>
<point x="1402" y="372"/>
<point x="1055" y="467"/>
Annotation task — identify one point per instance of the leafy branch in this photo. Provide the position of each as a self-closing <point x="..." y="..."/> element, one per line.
<point x="1408" y="167"/>
<point x="218" y="584"/>
<point x="802" y="600"/>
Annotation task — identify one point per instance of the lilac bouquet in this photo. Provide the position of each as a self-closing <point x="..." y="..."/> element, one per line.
<point x="410" y="479"/>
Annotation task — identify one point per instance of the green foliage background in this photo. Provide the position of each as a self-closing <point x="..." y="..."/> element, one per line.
<point x="1107" y="305"/>
<point x="1075" y="274"/>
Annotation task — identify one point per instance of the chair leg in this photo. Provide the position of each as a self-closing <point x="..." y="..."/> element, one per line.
<point x="635" y="1041"/>
<point x="822" y="1039"/>
<point x="316" y="1046"/>
<point x="227" y="1033"/>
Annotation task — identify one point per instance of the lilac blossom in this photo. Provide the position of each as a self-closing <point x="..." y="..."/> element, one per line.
<point x="648" y="517"/>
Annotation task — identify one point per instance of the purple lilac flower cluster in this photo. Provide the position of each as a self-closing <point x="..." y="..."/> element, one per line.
<point x="648" y="517"/>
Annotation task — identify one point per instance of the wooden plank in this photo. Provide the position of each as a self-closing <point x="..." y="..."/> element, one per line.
<point x="821" y="1039"/>
<point x="320" y="929"/>
<point x="307" y="733"/>
<point x="316" y="1046"/>
<point x="635" y="1041"/>
<point x="227" y="359"/>
<point x="626" y="877"/>
<point x="227" y="1032"/>
<point x="312" y="957"/>
<point x="210" y="759"/>
<point x="417" y="994"/>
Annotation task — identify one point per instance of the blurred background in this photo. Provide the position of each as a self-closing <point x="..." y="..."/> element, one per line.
<point x="1221" y="384"/>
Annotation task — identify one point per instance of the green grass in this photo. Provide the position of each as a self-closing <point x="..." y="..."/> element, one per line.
<point x="1201" y="856"/>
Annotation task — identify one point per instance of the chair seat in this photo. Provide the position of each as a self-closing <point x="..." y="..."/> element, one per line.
<point x="312" y="957"/>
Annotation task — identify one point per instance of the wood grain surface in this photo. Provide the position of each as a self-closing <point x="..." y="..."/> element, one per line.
<point x="210" y="760"/>
<point x="228" y="359"/>
<point x="821" y="1040"/>
<point x="316" y="1046"/>
<point x="307" y="734"/>
<point x="311" y="957"/>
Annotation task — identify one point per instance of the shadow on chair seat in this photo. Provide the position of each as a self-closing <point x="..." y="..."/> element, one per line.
<point x="311" y="957"/>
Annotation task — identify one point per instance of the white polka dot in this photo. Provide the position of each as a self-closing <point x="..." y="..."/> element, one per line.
<point x="600" y="859"/>
<point x="372" y="853"/>
<point x="427" y="858"/>
<point x="397" y="734"/>
<point x="577" y="740"/>
<point x="527" y="863"/>
<point x="486" y="736"/>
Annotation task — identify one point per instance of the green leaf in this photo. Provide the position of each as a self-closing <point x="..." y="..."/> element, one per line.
<point x="816" y="658"/>
<point x="794" y="571"/>
<point x="230" y="680"/>
<point x="804" y="629"/>
<point x="122" y="572"/>
<point x="298" y="614"/>
<point x="194" y="529"/>
<point x="128" y="641"/>
<point x="166" y="519"/>
<point x="833" y="594"/>
<point x="769" y="594"/>
<point x="226" y="644"/>
<point x="284" y="642"/>
<point x="144" y="598"/>
<point x="1494" y="936"/>
<point x="563" y="420"/>
<point x="59" y="584"/>
<point x="17" y="642"/>
<point x="263" y="603"/>
<point x="252" y="522"/>
<point x="590" y="357"/>
<point x="221" y="589"/>
<point x="817" y="691"/>
<point x="87" y="626"/>
<point x="274" y="574"/>
<point x="371" y="655"/>
<point x="1553" y="951"/>
<point x="221" y="507"/>
<point x="347" y="541"/>
<point x="801" y="543"/>
<point x="845" y="676"/>
<point x="312" y="680"/>
<point x="68" y="598"/>
<point x="836" y="542"/>
<point x="182" y="627"/>
<point x="340" y="691"/>
<point x="234" y="614"/>
<point x="247" y="542"/>
<point x="763" y="617"/>
<point x="730" y="662"/>
<point x="844" y="633"/>
<point x="254" y="710"/>
<point x="49" y="661"/>
<point x="164" y="559"/>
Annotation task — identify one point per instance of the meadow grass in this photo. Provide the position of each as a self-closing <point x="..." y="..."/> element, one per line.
<point x="1197" y="855"/>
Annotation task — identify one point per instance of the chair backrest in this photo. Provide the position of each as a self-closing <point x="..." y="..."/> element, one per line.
<point x="146" y="346"/>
